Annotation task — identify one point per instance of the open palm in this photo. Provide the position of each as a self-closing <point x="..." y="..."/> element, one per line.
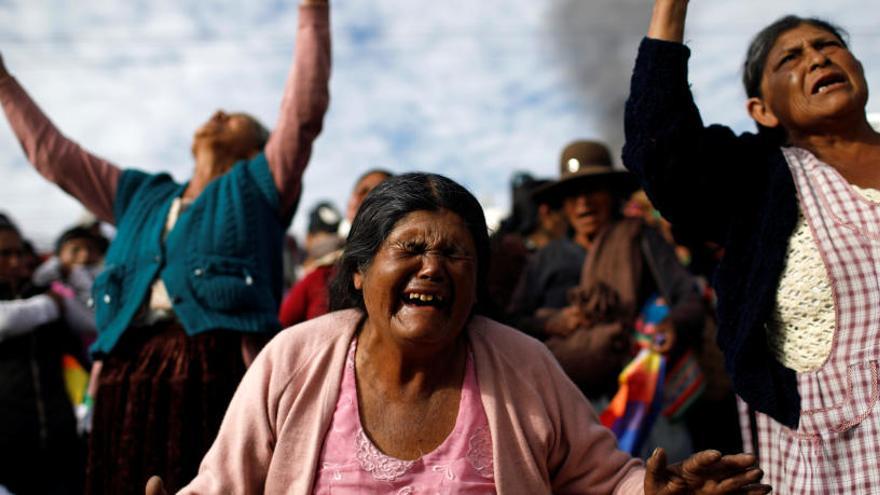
<point x="704" y="473"/>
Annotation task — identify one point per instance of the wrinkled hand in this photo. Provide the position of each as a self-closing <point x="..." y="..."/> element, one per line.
<point x="704" y="473"/>
<point x="565" y="321"/>
<point x="155" y="486"/>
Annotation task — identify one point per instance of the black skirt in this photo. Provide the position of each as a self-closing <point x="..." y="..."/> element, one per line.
<point x="160" y="402"/>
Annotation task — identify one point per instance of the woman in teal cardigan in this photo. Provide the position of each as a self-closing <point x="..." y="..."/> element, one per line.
<point x="193" y="278"/>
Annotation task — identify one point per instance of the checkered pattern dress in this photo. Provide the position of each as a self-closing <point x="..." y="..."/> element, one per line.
<point x="836" y="447"/>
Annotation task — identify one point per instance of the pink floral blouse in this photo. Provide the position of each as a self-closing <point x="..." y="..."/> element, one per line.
<point x="350" y="463"/>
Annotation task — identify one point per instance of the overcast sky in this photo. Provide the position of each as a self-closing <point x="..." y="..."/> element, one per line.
<point x="473" y="90"/>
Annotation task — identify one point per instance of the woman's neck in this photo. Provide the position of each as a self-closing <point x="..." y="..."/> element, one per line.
<point x="209" y="165"/>
<point x="406" y="375"/>
<point x="854" y="152"/>
<point x="584" y="240"/>
<point x="408" y="401"/>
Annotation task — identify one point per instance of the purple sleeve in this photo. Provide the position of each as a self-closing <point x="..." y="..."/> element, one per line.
<point x="305" y="101"/>
<point x="86" y="177"/>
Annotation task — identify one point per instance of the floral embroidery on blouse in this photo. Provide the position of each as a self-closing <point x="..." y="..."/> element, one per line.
<point x="333" y="466"/>
<point x="480" y="452"/>
<point x="351" y="463"/>
<point x="379" y="465"/>
<point x="446" y="471"/>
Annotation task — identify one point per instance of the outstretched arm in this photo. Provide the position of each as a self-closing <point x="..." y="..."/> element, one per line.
<point x="696" y="175"/>
<point x="20" y="316"/>
<point x="305" y="101"/>
<point x="89" y="179"/>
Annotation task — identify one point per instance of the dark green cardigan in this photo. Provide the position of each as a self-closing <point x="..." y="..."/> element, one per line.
<point x="221" y="263"/>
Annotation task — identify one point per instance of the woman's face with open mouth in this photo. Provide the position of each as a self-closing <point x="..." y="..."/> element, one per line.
<point x="588" y="211"/>
<point x="810" y="78"/>
<point x="420" y="287"/>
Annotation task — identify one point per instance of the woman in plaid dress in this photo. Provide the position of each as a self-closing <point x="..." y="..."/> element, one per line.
<point x="797" y="208"/>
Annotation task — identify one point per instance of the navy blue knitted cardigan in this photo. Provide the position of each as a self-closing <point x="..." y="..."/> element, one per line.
<point x="734" y="190"/>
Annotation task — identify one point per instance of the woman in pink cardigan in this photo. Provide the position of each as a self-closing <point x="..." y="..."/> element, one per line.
<point x="406" y="389"/>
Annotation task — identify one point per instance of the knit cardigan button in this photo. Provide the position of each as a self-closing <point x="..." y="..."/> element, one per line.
<point x="107" y="298"/>
<point x="198" y="272"/>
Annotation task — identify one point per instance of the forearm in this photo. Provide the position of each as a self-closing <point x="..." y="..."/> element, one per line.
<point x="667" y="20"/>
<point x="20" y="316"/>
<point x="585" y="457"/>
<point x="89" y="179"/>
<point x="305" y="101"/>
<point x="681" y="162"/>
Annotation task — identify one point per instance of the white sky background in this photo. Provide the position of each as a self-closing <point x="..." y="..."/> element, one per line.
<point x="473" y="90"/>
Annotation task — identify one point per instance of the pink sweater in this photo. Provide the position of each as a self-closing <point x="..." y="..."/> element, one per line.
<point x="545" y="436"/>
<point x="92" y="180"/>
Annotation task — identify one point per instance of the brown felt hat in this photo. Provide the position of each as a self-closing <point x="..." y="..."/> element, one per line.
<point x="586" y="164"/>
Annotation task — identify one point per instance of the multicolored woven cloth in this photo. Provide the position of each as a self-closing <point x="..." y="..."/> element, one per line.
<point x="632" y="411"/>
<point x="647" y="387"/>
<point x="76" y="379"/>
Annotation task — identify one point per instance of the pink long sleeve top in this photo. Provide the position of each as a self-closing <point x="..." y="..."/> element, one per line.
<point x="545" y="436"/>
<point x="92" y="180"/>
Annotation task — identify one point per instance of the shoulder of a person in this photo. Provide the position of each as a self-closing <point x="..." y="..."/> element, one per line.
<point x="135" y="177"/>
<point x="304" y="341"/>
<point x="133" y="182"/>
<point x="509" y="345"/>
<point x="318" y="331"/>
<point x="556" y="248"/>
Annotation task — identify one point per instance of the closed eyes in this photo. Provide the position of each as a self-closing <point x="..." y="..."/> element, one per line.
<point x="418" y="248"/>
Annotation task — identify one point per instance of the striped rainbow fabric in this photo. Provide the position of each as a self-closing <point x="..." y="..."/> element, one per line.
<point x="648" y="385"/>
<point x="632" y="411"/>
<point x="76" y="379"/>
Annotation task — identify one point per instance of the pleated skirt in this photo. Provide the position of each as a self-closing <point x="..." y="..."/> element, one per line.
<point x="161" y="399"/>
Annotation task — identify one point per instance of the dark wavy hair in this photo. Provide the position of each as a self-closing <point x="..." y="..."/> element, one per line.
<point x="380" y="212"/>
<point x="759" y="50"/>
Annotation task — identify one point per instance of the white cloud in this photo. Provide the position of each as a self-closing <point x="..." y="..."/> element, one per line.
<point x="474" y="90"/>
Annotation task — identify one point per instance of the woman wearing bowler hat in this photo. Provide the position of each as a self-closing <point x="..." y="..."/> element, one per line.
<point x="581" y="294"/>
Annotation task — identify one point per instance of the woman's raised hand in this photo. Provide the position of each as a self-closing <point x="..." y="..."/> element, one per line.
<point x="667" y="21"/>
<point x="704" y="473"/>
